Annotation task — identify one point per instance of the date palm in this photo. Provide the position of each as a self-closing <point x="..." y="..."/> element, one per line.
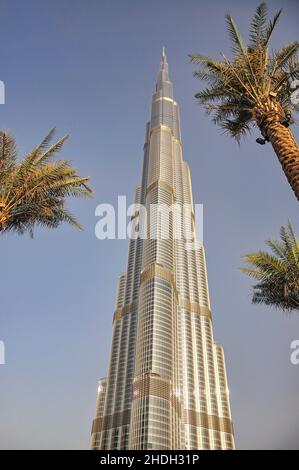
<point x="254" y="88"/>
<point x="277" y="273"/>
<point x="33" y="190"/>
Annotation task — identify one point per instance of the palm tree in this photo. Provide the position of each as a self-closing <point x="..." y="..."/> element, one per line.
<point x="254" y="88"/>
<point x="278" y="273"/>
<point x="33" y="191"/>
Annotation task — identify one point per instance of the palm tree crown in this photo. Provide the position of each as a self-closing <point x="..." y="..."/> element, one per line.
<point x="254" y="87"/>
<point x="33" y="191"/>
<point x="278" y="273"/>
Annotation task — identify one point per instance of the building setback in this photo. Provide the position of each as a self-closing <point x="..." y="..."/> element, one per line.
<point x="166" y="386"/>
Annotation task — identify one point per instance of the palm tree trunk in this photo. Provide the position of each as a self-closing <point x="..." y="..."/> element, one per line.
<point x="287" y="151"/>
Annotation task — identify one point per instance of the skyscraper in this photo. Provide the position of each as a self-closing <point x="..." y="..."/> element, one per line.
<point x="166" y="386"/>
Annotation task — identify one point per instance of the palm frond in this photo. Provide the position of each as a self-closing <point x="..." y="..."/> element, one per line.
<point x="292" y="236"/>
<point x="236" y="128"/>
<point x="282" y="58"/>
<point x="268" y="264"/>
<point x="8" y="152"/>
<point x="271" y="27"/>
<point x="277" y="248"/>
<point x="275" y="296"/>
<point x="278" y="274"/>
<point x="258" y="24"/>
<point x="47" y="140"/>
<point x="201" y="59"/>
<point x="210" y="94"/>
<point x="238" y="46"/>
<point x="53" y="149"/>
<point x="34" y="191"/>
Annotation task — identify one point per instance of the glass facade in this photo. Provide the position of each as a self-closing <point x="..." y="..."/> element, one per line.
<point x="166" y="386"/>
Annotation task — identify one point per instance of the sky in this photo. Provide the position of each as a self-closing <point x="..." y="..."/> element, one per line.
<point x="89" y="68"/>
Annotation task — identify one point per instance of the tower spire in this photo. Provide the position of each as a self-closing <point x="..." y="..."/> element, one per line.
<point x="163" y="78"/>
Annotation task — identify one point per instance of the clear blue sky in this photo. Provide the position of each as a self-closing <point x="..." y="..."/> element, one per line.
<point x="89" y="68"/>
